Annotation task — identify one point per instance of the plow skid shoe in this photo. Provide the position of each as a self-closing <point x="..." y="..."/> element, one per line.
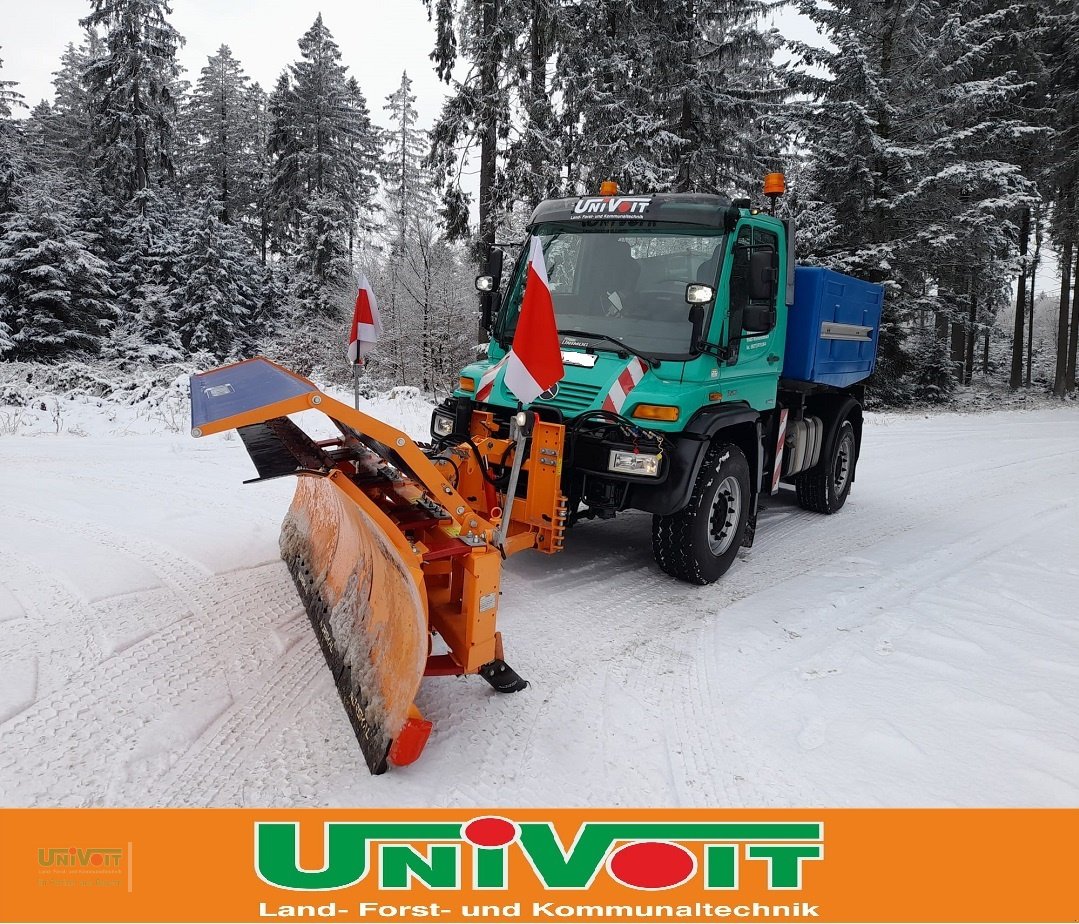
<point x="364" y="606"/>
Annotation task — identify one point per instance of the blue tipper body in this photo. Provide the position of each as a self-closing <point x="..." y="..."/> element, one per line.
<point x="832" y="328"/>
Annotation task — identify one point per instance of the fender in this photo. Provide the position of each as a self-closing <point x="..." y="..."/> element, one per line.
<point x="744" y="427"/>
<point x="833" y="410"/>
<point x="711" y="419"/>
<point x="689" y="448"/>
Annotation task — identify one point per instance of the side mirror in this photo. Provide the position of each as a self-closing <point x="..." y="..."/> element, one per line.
<point x="697" y="294"/>
<point x="696" y="319"/>
<point x="493" y="269"/>
<point x="488" y="284"/>
<point x="763" y="275"/>
<point x="758" y="319"/>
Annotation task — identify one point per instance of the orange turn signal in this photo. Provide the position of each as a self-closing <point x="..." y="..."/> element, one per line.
<point x="466" y="384"/>
<point x="608" y="188"/>
<point x="655" y="412"/>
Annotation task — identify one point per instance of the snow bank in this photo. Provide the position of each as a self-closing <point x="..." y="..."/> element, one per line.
<point x="76" y="400"/>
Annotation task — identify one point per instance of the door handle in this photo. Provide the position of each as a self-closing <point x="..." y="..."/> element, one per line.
<point x="773" y="359"/>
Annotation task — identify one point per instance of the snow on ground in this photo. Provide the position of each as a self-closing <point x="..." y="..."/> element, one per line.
<point x="919" y="648"/>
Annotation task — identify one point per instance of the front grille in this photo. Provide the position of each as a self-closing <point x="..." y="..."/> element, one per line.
<point x="573" y="398"/>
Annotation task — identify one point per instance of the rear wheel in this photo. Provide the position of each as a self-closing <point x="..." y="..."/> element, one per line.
<point x="825" y="490"/>
<point x="699" y="543"/>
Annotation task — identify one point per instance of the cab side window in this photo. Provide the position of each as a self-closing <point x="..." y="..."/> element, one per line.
<point x="739" y="287"/>
<point x="760" y="314"/>
<point x="753" y="291"/>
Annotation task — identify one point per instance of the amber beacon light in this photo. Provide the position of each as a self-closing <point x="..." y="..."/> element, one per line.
<point x="775" y="185"/>
<point x="608" y="188"/>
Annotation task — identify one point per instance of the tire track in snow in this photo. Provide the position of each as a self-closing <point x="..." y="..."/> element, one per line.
<point x="215" y="638"/>
<point x="56" y="627"/>
<point x="773" y="783"/>
<point x="621" y="636"/>
<point x="94" y="721"/>
<point x="186" y="578"/>
<point x="184" y="668"/>
<point x="206" y="775"/>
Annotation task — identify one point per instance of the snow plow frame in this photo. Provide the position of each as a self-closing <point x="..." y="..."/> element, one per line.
<point x="380" y="527"/>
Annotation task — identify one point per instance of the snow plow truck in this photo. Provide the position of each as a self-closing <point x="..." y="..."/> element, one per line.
<point x="703" y="370"/>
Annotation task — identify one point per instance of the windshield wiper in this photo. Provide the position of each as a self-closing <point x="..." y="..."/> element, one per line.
<point x="622" y="345"/>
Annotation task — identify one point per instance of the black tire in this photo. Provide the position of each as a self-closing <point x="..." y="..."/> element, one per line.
<point x="699" y="543"/>
<point x="826" y="488"/>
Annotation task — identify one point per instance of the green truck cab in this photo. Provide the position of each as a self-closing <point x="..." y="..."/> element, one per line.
<point x="678" y="397"/>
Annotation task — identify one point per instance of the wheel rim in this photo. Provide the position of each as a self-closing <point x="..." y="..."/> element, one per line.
<point x="841" y="471"/>
<point x="726" y="511"/>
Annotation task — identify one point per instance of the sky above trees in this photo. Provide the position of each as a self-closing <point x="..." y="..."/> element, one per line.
<point x="378" y="40"/>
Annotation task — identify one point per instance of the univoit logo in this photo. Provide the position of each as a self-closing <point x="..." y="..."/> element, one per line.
<point x="96" y="859"/>
<point x="612" y="206"/>
<point x="650" y="856"/>
<point x="79" y="866"/>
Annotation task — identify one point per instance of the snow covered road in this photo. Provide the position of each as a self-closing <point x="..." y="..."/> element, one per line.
<point x="919" y="648"/>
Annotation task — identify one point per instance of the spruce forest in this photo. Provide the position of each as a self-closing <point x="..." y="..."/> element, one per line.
<point x="153" y="219"/>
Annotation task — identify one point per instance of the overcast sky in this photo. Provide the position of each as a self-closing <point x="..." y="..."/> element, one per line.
<point x="378" y="39"/>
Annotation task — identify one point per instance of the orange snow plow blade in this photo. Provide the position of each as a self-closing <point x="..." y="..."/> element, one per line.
<point x="365" y="607"/>
<point x="384" y="548"/>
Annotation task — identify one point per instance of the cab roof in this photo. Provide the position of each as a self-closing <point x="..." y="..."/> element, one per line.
<point x="672" y="208"/>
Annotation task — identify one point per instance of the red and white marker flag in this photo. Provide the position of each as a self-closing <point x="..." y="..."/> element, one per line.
<point x="535" y="359"/>
<point x="366" y="323"/>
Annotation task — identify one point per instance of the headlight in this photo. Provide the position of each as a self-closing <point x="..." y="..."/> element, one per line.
<point x="441" y="426"/>
<point x="634" y="463"/>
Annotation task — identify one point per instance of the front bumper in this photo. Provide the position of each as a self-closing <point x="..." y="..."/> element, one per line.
<point x="587" y="459"/>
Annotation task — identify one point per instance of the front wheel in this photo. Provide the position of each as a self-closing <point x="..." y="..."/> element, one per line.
<point x="825" y="490"/>
<point x="698" y="544"/>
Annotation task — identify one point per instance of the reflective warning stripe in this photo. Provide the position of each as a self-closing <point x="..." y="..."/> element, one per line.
<point x="487" y="380"/>
<point x="777" y="468"/>
<point x="625" y="383"/>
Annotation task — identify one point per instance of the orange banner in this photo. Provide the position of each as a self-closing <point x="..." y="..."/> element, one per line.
<point x="538" y="865"/>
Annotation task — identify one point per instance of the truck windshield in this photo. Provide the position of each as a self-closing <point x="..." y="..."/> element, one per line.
<point x="627" y="283"/>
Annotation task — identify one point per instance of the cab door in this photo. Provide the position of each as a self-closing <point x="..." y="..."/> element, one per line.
<point x="754" y="328"/>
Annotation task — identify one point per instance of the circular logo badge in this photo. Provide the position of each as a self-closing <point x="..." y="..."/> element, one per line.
<point x="551" y="393"/>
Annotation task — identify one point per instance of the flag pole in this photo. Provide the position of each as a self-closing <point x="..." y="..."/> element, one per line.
<point x="535" y="364"/>
<point x="521" y="435"/>
<point x="366" y="331"/>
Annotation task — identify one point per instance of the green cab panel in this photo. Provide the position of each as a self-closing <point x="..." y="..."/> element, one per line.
<point x="600" y="379"/>
<point x="602" y="385"/>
